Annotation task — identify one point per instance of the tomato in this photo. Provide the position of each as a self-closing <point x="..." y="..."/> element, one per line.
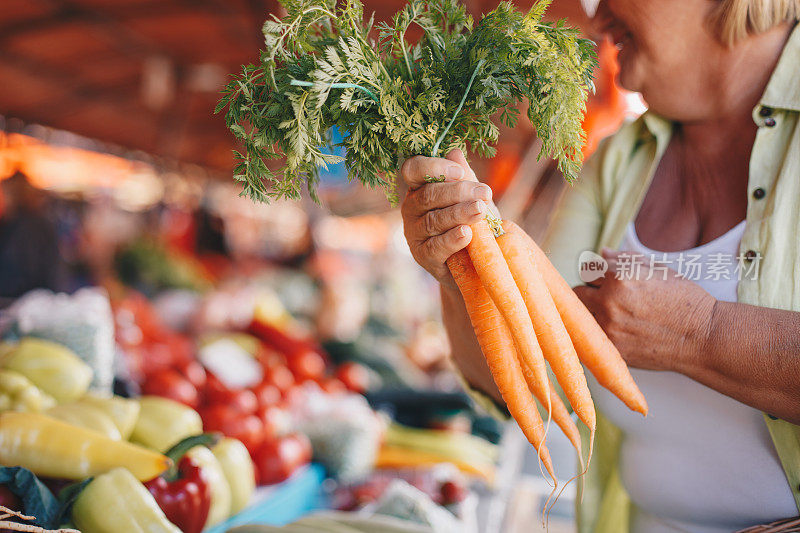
<point x="10" y="500"/>
<point x="279" y="457"/>
<point x="269" y="357"/>
<point x="333" y="386"/>
<point x="306" y="365"/>
<point x="280" y="376"/>
<point x="354" y="376"/>
<point x="276" y="420"/>
<point x="216" y="393"/>
<point x="170" y="384"/>
<point x="296" y="395"/>
<point x="248" y="428"/>
<point x="194" y="372"/>
<point x="267" y="394"/>
<point x="452" y="492"/>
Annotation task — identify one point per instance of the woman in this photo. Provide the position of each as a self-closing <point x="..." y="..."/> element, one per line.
<point x="712" y="170"/>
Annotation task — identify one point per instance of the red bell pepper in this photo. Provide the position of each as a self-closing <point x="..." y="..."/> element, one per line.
<point x="280" y="341"/>
<point x="182" y="492"/>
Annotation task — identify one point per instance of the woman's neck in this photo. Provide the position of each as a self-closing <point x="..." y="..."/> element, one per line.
<point x="735" y="88"/>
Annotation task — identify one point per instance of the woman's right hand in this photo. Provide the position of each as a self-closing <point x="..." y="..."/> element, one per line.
<point x="437" y="216"/>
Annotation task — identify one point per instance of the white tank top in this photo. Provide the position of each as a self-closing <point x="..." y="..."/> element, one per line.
<point x="701" y="462"/>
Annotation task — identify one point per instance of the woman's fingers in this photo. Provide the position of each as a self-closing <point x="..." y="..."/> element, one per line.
<point x="441" y="195"/>
<point x="438" y="221"/>
<point x="416" y="169"/>
<point x="439" y="248"/>
<point x="458" y="156"/>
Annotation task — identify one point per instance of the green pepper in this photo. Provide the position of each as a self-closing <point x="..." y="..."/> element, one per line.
<point x="162" y="423"/>
<point x="17" y="393"/>
<point x="50" y="366"/>
<point x="86" y="416"/>
<point x="123" y="411"/>
<point x="238" y="468"/>
<point x="116" y="501"/>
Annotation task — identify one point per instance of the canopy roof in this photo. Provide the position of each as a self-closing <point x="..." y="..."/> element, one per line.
<point x="141" y="74"/>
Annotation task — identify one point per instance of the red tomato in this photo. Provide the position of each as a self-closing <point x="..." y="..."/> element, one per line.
<point x="306" y="365"/>
<point x="296" y="395"/>
<point x="267" y="394"/>
<point x="354" y="376"/>
<point x="452" y="492"/>
<point x="278" y="458"/>
<point x="247" y="428"/>
<point x="333" y="386"/>
<point x="269" y="357"/>
<point x="280" y="376"/>
<point x="216" y="393"/>
<point x="170" y="384"/>
<point x="194" y="372"/>
<point x="276" y="420"/>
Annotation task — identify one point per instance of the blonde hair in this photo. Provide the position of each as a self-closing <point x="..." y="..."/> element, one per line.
<point x="736" y="19"/>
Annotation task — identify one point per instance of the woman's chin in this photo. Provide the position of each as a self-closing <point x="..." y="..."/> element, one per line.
<point x="628" y="77"/>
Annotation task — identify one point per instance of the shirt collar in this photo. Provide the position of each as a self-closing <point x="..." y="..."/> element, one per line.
<point x="783" y="89"/>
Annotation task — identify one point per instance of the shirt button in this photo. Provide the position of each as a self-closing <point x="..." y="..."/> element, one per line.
<point x="759" y="193"/>
<point x="765" y="111"/>
<point x="769" y="122"/>
<point x="750" y="255"/>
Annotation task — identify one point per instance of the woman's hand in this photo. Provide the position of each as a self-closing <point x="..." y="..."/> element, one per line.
<point x="436" y="216"/>
<point x="660" y="323"/>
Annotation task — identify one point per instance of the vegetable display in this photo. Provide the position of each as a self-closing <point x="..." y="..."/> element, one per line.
<point x="390" y="99"/>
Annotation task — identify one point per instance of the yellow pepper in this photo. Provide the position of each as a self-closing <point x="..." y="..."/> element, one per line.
<point x="399" y="457"/>
<point x="116" y="501"/>
<point x="50" y="366"/>
<point x="163" y="423"/>
<point x="17" y="393"/>
<point x="237" y="466"/>
<point x="123" y="411"/>
<point x="220" y="508"/>
<point x="52" y="448"/>
<point x="87" y="417"/>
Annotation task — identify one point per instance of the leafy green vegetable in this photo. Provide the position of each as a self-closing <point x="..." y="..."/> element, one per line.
<point x="321" y="69"/>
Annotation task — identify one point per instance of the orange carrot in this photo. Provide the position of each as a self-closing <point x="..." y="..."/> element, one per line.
<point x="595" y="349"/>
<point x="496" y="278"/>
<point x="560" y="415"/>
<point x="550" y="331"/>
<point x="497" y="346"/>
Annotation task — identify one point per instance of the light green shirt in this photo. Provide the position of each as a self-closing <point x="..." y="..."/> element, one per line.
<point x="596" y="211"/>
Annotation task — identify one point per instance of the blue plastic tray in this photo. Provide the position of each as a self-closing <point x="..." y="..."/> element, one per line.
<point x="281" y="504"/>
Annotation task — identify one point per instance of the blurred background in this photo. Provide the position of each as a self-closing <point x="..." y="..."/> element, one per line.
<point x="115" y="177"/>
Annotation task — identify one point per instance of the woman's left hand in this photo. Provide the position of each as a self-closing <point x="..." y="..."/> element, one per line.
<point x="657" y="320"/>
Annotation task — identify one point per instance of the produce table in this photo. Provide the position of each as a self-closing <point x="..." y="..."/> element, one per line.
<point x="280" y="504"/>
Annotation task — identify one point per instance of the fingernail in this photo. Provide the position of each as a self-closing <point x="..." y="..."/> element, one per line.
<point x="462" y="231"/>
<point x="454" y="172"/>
<point x="478" y="207"/>
<point x="482" y="191"/>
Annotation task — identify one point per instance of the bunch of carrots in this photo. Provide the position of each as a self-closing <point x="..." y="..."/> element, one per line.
<point x="524" y="313"/>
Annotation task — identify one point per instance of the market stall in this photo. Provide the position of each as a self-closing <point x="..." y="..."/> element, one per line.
<point x="203" y="362"/>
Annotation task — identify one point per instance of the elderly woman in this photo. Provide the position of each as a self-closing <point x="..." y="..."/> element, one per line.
<point x="710" y="172"/>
